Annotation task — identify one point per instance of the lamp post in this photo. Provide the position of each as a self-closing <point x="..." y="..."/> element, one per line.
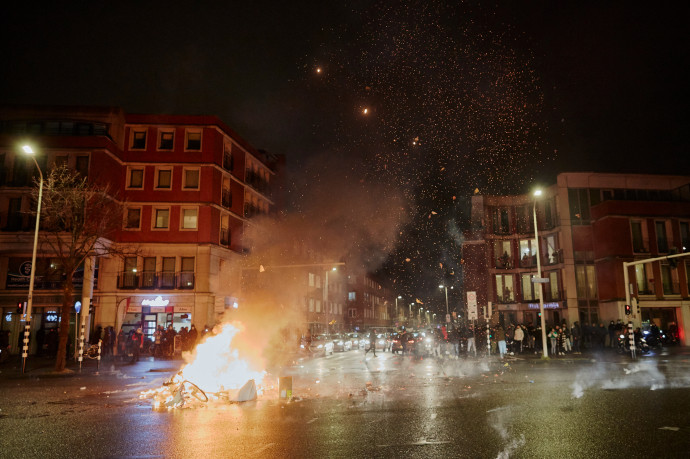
<point x="27" y="324"/>
<point x="396" y="307"/>
<point x="545" y="354"/>
<point x="419" y="316"/>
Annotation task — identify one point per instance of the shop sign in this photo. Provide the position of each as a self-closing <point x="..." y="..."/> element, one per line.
<point x="546" y="306"/>
<point x="156" y="309"/>
<point x="158" y="301"/>
<point x="184" y="308"/>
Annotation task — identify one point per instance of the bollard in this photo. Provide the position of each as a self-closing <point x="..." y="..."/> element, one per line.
<point x="81" y="346"/>
<point x="285" y="387"/>
<point x="98" y="360"/>
<point x="631" y="340"/>
<point x="25" y="344"/>
<point x="488" y="339"/>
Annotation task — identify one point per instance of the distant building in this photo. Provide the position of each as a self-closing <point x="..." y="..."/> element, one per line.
<point x="369" y="304"/>
<point x="191" y="187"/>
<point x="589" y="224"/>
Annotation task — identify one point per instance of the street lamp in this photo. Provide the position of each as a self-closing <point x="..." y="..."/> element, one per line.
<point x="27" y="324"/>
<point x="396" y="306"/>
<point x="545" y="354"/>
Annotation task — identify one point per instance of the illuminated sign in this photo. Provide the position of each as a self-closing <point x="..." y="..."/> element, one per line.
<point x="546" y="306"/>
<point x="158" y="301"/>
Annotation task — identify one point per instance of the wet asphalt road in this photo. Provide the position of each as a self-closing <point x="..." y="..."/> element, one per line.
<point x="352" y="405"/>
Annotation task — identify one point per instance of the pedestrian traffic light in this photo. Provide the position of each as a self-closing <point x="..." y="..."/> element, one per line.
<point x="628" y="310"/>
<point x="20" y="308"/>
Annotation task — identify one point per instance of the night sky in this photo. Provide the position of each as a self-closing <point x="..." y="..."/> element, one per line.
<point x="457" y="95"/>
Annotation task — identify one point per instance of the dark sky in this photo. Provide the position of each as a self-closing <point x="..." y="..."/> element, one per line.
<point x="459" y="95"/>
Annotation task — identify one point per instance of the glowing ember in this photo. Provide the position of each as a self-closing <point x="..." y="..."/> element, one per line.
<point x="215" y="372"/>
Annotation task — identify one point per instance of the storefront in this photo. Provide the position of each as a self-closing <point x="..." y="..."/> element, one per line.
<point x="148" y="313"/>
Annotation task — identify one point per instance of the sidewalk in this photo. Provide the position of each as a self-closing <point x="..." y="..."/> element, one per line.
<point x="37" y="366"/>
<point x="671" y="352"/>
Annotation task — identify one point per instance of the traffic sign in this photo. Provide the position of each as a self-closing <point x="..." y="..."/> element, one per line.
<point x="540" y="280"/>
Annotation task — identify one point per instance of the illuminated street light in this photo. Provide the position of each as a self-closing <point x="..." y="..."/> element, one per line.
<point x="545" y="353"/>
<point x="27" y="324"/>
<point x="396" y="306"/>
<point x="446" y="290"/>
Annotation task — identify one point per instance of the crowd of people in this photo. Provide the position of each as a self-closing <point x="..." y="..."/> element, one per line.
<point x="520" y="338"/>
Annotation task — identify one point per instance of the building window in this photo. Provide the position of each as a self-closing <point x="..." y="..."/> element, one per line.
<point x="82" y="166"/>
<point x="138" y="139"/>
<point x="661" y="239"/>
<point x="501" y="220"/>
<point x="228" y="160"/>
<point x="226" y="194"/>
<point x="133" y="220"/>
<point x="578" y="200"/>
<point x="669" y="279"/>
<point x="550" y="252"/>
<point x="163" y="179"/>
<point x="225" y="236"/>
<point x="312" y="278"/>
<point x="639" y="236"/>
<point x="166" y="140"/>
<point x="189" y="218"/>
<point x="191" y="179"/>
<point x="148" y="275"/>
<point x="167" y="279"/>
<point x="685" y="238"/>
<point x="585" y="279"/>
<point x="193" y="140"/>
<point x="135" y="178"/>
<point x="352" y="313"/>
<point x="186" y="272"/>
<point x="505" y="290"/>
<point x="528" y="253"/>
<point x="687" y="274"/>
<point x="529" y="291"/>
<point x="311" y="304"/>
<point x="503" y="254"/>
<point x="553" y="291"/>
<point x="549" y="218"/>
<point x="644" y="279"/>
<point x="524" y="219"/>
<point x="351" y="296"/>
<point x="317" y="303"/>
<point x="162" y="217"/>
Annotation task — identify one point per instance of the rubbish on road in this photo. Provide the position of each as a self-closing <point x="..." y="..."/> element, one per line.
<point x="82" y="388"/>
<point x="673" y="429"/>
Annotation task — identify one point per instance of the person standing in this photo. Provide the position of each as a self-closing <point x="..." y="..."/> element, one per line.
<point x="193" y="335"/>
<point x="576" y="336"/>
<point x="519" y="336"/>
<point x="122" y="344"/>
<point x="137" y="344"/>
<point x="501" y="339"/>
<point x="471" y="344"/>
<point x="553" y="336"/>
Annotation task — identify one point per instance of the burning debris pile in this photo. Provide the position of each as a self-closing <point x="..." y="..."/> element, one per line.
<point x="215" y="372"/>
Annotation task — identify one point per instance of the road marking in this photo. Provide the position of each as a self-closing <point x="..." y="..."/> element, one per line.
<point x="311" y="420"/>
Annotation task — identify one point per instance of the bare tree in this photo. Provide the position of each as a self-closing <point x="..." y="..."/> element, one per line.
<point x="79" y="219"/>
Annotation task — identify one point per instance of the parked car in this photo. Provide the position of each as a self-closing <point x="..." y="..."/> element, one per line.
<point x="321" y="345"/>
<point x="397" y="344"/>
<point x="341" y="342"/>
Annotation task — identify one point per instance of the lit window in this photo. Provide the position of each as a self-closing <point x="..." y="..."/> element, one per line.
<point x="189" y="218"/>
<point x="162" y="218"/>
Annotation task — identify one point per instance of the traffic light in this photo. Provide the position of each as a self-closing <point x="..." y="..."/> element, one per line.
<point x="20" y="308"/>
<point x="628" y="310"/>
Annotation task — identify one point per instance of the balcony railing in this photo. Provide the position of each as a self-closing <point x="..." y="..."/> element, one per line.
<point x="528" y="261"/>
<point x="554" y="257"/>
<point x="156" y="280"/>
<point x="503" y="262"/>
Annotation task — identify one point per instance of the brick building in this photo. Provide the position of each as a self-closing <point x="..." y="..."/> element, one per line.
<point x="191" y="186"/>
<point x="589" y="224"/>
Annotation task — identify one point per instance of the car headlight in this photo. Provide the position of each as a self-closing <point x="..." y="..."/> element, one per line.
<point x="428" y="340"/>
<point x="319" y="346"/>
<point x="622" y="336"/>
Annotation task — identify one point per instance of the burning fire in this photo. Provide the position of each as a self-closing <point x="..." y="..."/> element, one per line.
<point x="215" y="371"/>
